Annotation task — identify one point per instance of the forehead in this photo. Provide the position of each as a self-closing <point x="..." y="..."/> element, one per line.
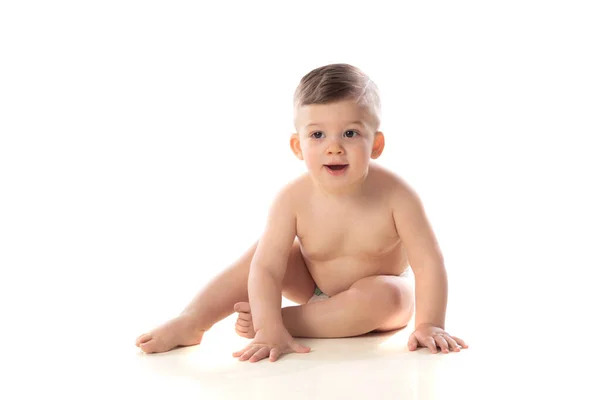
<point x="343" y="112"/>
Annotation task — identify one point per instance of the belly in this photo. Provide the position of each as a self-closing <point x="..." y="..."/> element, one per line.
<point x="337" y="274"/>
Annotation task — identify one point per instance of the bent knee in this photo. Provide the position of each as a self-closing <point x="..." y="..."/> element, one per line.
<point x="384" y="291"/>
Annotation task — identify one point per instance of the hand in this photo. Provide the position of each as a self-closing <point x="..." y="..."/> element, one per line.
<point x="432" y="337"/>
<point x="270" y="343"/>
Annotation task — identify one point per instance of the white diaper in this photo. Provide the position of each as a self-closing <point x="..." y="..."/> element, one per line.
<point x="320" y="296"/>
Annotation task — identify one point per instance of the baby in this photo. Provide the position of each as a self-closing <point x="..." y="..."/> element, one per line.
<point x="338" y="242"/>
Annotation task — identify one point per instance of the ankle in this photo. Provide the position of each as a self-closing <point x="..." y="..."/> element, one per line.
<point x="194" y="322"/>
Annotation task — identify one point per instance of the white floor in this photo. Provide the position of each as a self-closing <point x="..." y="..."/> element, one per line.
<point x="512" y="354"/>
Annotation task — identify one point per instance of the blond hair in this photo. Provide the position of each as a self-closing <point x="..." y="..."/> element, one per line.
<point x="337" y="82"/>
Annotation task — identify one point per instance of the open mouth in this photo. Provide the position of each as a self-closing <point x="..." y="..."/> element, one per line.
<point x="337" y="168"/>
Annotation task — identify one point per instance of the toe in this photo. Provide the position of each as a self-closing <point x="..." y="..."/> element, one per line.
<point x="151" y="346"/>
<point x="242" y="307"/>
<point x="142" y="339"/>
<point x="147" y="347"/>
<point x="243" y="323"/>
<point x="245" y="332"/>
<point x="242" y="316"/>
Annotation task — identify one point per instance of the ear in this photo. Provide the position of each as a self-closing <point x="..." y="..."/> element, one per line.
<point x="378" y="145"/>
<point x="295" y="146"/>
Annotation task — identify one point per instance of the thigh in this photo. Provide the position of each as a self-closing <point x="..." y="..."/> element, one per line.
<point x="298" y="284"/>
<point x="395" y="293"/>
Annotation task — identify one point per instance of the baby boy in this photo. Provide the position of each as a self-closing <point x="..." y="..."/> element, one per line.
<point x="348" y="241"/>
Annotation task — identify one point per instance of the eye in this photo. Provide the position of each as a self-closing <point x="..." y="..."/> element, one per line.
<point x="317" y="135"/>
<point x="352" y="133"/>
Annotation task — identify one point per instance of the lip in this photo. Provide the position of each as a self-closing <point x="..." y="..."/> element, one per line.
<point x="336" y="172"/>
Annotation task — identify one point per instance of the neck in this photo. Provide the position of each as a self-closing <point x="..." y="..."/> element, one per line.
<point x="353" y="191"/>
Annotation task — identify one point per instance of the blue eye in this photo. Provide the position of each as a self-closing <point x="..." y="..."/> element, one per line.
<point x="320" y="135"/>
<point x="354" y="133"/>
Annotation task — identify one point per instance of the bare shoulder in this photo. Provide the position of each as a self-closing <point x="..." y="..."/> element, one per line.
<point x="402" y="198"/>
<point x="411" y="220"/>
<point x="291" y="195"/>
<point x="396" y="188"/>
<point x="294" y="191"/>
<point x="277" y="239"/>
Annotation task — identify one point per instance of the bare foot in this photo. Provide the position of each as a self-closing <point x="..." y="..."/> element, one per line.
<point x="180" y="331"/>
<point x="244" y="326"/>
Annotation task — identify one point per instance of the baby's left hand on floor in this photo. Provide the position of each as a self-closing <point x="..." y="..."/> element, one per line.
<point x="433" y="337"/>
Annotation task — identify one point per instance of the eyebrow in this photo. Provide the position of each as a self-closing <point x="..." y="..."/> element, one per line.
<point x="349" y="123"/>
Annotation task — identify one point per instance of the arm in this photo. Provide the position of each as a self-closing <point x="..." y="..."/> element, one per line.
<point x="425" y="258"/>
<point x="431" y="282"/>
<point x="264" y="282"/>
<point x="270" y="262"/>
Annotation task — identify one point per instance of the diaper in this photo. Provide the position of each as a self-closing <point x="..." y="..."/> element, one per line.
<point x="318" y="296"/>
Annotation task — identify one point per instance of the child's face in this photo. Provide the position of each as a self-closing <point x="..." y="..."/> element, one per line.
<point x="339" y="133"/>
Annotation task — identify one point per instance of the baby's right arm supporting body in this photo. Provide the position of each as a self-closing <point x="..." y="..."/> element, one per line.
<point x="270" y="262"/>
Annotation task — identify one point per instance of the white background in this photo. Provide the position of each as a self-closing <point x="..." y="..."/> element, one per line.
<point x="142" y="142"/>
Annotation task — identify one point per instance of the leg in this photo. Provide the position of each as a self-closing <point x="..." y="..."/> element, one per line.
<point x="298" y="284"/>
<point x="216" y="300"/>
<point x="376" y="303"/>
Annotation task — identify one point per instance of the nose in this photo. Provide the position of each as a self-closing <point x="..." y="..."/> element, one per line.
<point x="334" y="148"/>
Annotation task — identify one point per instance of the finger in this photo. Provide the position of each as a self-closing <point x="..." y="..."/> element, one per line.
<point x="439" y="339"/>
<point x="275" y="354"/>
<point x="260" y="354"/>
<point x="430" y="343"/>
<point x="240" y="352"/>
<point x="413" y="343"/>
<point x="243" y="323"/>
<point x="249" y="353"/>
<point x="298" y="348"/>
<point x="452" y="343"/>
<point x="460" y="342"/>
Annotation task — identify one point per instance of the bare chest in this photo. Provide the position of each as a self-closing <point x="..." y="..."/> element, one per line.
<point x="332" y="233"/>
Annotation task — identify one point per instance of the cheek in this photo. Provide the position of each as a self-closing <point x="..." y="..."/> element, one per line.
<point x="311" y="154"/>
<point x="312" y="161"/>
<point x="360" y="151"/>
